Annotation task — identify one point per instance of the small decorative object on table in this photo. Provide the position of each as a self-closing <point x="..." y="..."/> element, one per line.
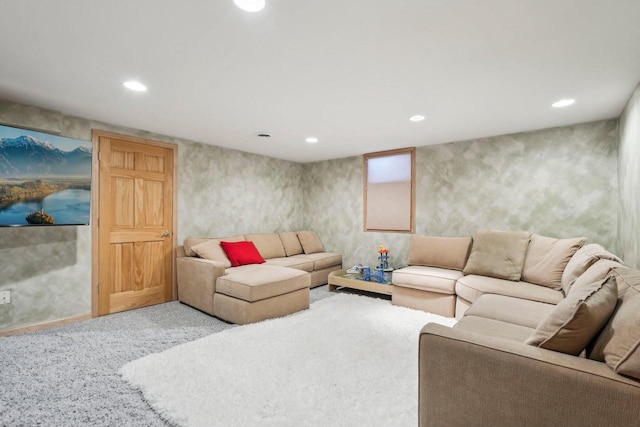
<point x="377" y="277"/>
<point x="383" y="268"/>
<point x="383" y="258"/>
<point x="383" y="272"/>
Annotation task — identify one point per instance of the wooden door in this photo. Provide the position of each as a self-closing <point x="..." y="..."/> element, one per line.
<point x="135" y="223"/>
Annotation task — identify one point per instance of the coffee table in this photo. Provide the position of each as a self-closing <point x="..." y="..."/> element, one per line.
<point x="340" y="279"/>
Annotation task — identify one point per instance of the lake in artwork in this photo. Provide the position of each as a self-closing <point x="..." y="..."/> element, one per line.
<point x="66" y="207"/>
<point x="44" y="178"/>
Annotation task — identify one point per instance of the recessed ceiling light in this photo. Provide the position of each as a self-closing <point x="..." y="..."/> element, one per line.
<point x="250" y="5"/>
<point x="417" y="118"/>
<point x="563" y="103"/>
<point x="312" y="140"/>
<point x="135" y="85"/>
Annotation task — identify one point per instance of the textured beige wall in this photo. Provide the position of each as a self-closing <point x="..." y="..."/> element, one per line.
<point x="220" y="192"/>
<point x="629" y="182"/>
<point x="558" y="182"/>
<point x="223" y="192"/>
<point x="47" y="270"/>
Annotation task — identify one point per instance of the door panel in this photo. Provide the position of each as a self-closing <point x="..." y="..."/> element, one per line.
<point x="135" y="224"/>
<point x="153" y="193"/>
<point x="122" y="194"/>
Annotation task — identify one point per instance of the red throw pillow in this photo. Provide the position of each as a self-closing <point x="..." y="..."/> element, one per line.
<point x="242" y="253"/>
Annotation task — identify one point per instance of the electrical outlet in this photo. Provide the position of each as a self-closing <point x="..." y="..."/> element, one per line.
<point x="5" y="297"/>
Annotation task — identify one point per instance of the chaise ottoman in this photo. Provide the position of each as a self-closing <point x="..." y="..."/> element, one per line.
<point x="251" y="293"/>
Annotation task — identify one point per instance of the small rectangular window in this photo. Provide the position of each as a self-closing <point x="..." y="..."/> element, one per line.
<point x="389" y="191"/>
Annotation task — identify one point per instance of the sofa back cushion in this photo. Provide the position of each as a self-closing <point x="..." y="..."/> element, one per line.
<point x="576" y="319"/>
<point x="269" y="244"/>
<point x="498" y="254"/>
<point x="212" y="250"/>
<point x="547" y="258"/>
<point x="618" y="345"/>
<point x="580" y="262"/>
<point x="291" y="243"/>
<point x="310" y="242"/>
<point x="443" y="252"/>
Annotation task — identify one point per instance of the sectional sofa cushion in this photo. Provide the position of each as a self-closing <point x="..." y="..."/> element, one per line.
<point x="242" y="253"/>
<point x="310" y="242"/>
<point x="498" y="254"/>
<point x="269" y="244"/>
<point x="618" y="345"/>
<point x="323" y="260"/>
<point x="493" y="328"/>
<point x="291" y="243"/>
<point x="546" y="259"/>
<point x="517" y="311"/>
<point x="472" y="287"/>
<point x="296" y="261"/>
<point x="433" y="279"/>
<point x="584" y="258"/>
<point x="443" y="252"/>
<point x="577" y="319"/>
<point x="258" y="282"/>
<point x="211" y="250"/>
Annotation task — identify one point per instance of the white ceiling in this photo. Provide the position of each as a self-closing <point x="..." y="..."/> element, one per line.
<point x="350" y="72"/>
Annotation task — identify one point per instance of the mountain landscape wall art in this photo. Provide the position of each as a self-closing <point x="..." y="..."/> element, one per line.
<point x="44" y="179"/>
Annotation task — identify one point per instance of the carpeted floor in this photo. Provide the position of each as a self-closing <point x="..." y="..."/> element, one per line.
<point x="68" y="376"/>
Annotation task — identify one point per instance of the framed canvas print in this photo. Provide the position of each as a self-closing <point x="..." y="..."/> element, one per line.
<point x="44" y="179"/>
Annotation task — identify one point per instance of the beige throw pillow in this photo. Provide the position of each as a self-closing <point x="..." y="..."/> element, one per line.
<point x="584" y="258"/>
<point x="576" y="319"/>
<point x="547" y="258"/>
<point x="212" y="250"/>
<point x="618" y="345"/>
<point x="310" y="242"/>
<point x="443" y="252"/>
<point x="498" y="254"/>
<point x="291" y="243"/>
<point x="190" y="242"/>
<point x="598" y="271"/>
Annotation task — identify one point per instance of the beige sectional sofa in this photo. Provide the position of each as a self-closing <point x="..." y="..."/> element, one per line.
<point x="446" y="275"/>
<point x="294" y="262"/>
<point x="553" y="340"/>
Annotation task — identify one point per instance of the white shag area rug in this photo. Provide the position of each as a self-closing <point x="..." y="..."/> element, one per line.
<point x="347" y="361"/>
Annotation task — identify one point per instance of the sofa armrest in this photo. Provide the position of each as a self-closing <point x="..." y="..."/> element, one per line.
<point x="471" y="379"/>
<point x="197" y="281"/>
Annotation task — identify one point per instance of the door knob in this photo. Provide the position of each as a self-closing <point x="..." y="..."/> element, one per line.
<point x="165" y="233"/>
